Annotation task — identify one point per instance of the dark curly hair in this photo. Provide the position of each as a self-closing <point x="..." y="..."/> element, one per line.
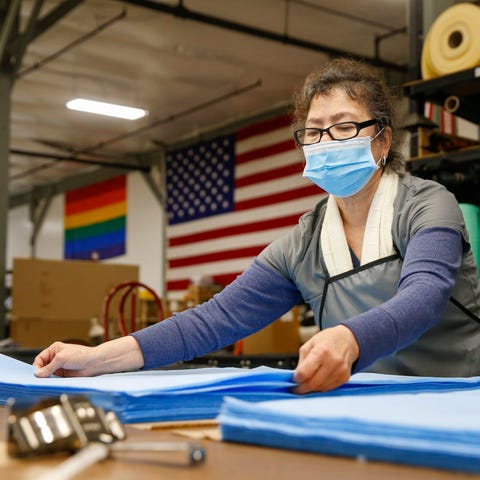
<point x="361" y="83"/>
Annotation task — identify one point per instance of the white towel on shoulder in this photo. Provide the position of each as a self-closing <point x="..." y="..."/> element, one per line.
<point x="377" y="240"/>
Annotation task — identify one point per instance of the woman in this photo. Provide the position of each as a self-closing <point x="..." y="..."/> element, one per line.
<point x="384" y="262"/>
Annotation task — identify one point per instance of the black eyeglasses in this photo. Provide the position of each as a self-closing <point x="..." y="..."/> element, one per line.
<point x="338" y="131"/>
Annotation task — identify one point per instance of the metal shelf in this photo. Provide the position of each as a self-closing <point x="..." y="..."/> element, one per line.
<point x="278" y="360"/>
<point x="458" y="170"/>
<point x="463" y="85"/>
<point x="437" y="160"/>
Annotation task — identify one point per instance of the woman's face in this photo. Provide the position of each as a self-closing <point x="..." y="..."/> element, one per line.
<point x="336" y="107"/>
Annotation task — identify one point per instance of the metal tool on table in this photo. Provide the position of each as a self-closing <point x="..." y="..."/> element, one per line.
<point x="72" y="423"/>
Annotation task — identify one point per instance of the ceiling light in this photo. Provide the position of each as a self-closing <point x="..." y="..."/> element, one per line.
<point x="102" y="108"/>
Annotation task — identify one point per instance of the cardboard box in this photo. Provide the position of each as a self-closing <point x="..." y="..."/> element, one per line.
<point x="197" y="294"/>
<point x="282" y="336"/>
<point x="65" y="290"/>
<point x="40" y="333"/>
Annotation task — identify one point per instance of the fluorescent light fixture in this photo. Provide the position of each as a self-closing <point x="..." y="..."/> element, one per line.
<point x="102" y="108"/>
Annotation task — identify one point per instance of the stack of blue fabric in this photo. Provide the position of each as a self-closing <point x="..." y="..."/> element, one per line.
<point x="414" y="420"/>
<point x="439" y="427"/>
<point x="149" y="396"/>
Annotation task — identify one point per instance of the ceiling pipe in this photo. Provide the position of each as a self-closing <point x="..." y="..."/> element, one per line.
<point x="344" y="15"/>
<point x="380" y="38"/>
<point x="71" y="45"/>
<point x="174" y="116"/>
<point x="70" y="158"/>
<point x="183" y="12"/>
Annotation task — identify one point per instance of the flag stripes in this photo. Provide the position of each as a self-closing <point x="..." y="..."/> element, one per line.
<point x="269" y="195"/>
<point x="95" y="220"/>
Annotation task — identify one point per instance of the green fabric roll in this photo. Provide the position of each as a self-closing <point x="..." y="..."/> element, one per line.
<point x="471" y="214"/>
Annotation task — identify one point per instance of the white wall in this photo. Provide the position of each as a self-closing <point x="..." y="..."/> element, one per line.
<point x="50" y="240"/>
<point x="18" y="234"/>
<point x="144" y="233"/>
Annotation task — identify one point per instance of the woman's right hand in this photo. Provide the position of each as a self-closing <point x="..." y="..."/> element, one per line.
<point x="71" y="360"/>
<point x="65" y="360"/>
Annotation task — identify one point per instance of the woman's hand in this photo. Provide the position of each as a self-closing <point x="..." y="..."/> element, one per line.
<point x="70" y="360"/>
<point x="326" y="360"/>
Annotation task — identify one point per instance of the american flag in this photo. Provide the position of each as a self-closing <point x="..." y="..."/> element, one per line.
<point x="228" y="198"/>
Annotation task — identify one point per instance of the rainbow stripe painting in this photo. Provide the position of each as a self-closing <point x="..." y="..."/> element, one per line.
<point x="95" y="220"/>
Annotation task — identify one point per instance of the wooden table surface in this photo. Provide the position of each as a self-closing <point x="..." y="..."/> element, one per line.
<point x="224" y="461"/>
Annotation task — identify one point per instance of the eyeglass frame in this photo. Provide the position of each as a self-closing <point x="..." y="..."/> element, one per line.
<point x="359" y="126"/>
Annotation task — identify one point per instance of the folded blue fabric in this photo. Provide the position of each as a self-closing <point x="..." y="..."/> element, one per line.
<point x="434" y="429"/>
<point x="149" y="396"/>
<point x="187" y="394"/>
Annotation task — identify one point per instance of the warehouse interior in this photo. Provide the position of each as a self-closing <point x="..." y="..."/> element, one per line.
<point x="209" y="88"/>
<point x="196" y="67"/>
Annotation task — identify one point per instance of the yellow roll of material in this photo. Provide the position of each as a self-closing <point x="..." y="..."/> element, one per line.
<point x="453" y="41"/>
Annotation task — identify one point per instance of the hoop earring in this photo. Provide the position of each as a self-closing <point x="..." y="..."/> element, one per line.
<point x="384" y="160"/>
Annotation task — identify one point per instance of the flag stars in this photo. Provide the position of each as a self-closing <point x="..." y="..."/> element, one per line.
<point x="200" y="180"/>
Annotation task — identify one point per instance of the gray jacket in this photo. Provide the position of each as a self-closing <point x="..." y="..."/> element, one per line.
<point x="451" y="347"/>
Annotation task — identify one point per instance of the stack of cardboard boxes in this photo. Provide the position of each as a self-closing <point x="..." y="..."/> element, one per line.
<point x="280" y="337"/>
<point x="57" y="300"/>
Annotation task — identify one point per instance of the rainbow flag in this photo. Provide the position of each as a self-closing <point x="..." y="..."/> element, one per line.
<point x="95" y="220"/>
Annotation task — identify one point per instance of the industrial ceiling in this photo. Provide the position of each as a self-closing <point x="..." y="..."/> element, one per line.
<point x="194" y="65"/>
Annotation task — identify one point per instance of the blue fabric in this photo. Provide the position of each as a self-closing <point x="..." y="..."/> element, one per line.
<point x="187" y="394"/>
<point x="402" y="428"/>
<point x="148" y="396"/>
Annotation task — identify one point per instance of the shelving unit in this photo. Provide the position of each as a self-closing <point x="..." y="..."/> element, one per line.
<point x="464" y="85"/>
<point x="458" y="170"/>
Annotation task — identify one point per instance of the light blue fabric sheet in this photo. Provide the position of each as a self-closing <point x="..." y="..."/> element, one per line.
<point x="149" y="396"/>
<point x="434" y="429"/>
<point x="187" y="394"/>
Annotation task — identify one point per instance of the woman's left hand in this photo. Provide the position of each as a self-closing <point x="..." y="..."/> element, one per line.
<point x="325" y="361"/>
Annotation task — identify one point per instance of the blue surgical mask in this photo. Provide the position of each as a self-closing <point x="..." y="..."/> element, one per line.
<point x="341" y="168"/>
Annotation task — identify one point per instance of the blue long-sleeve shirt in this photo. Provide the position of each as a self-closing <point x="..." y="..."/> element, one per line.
<point x="260" y="295"/>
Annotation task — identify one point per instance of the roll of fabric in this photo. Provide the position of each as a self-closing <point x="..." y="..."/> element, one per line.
<point x="471" y="215"/>
<point x="452" y="42"/>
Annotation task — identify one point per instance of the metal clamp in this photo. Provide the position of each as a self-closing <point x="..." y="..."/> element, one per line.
<point x="65" y="424"/>
<point x="72" y="423"/>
